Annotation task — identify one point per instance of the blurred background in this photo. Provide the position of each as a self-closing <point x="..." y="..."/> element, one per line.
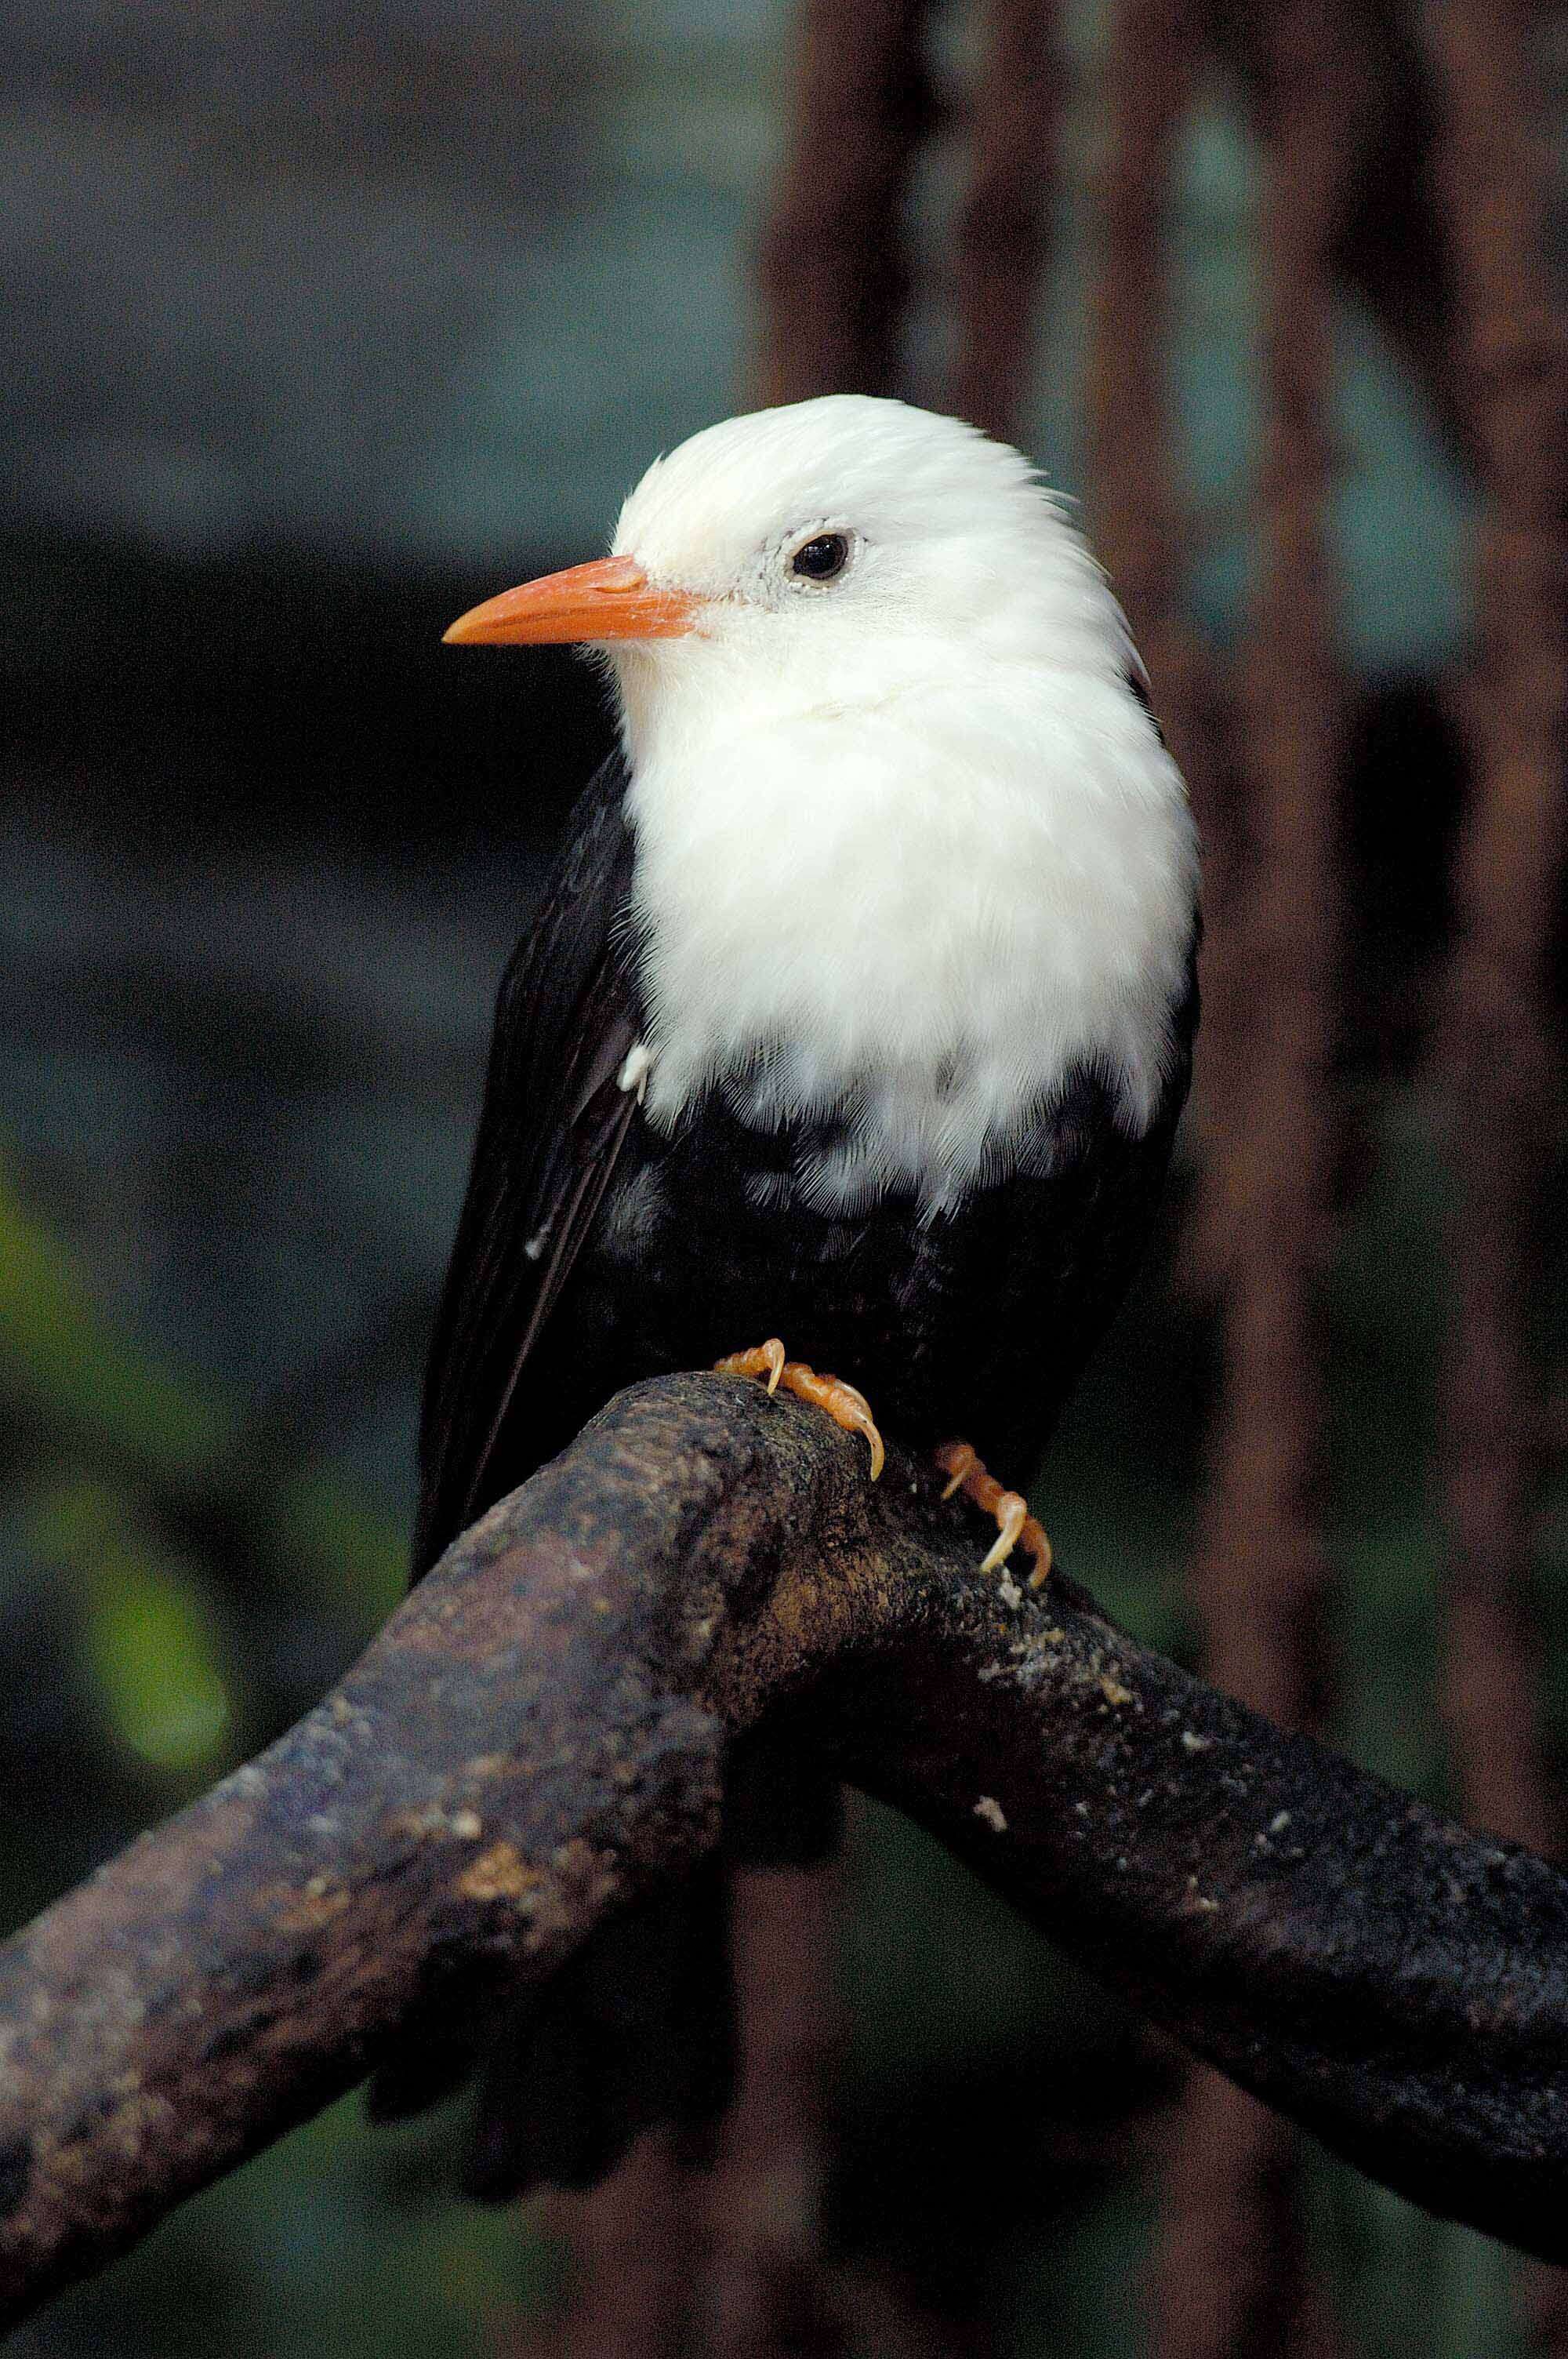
<point x="321" y="325"/>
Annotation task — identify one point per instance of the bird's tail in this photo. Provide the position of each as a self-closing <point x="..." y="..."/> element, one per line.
<point x="637" y="2027"/>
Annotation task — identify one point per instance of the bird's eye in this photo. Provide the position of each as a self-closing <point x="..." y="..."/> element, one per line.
<point x="822" y="558"/>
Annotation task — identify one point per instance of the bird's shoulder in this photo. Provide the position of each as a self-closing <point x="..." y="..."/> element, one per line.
<point x="573" y="943"/>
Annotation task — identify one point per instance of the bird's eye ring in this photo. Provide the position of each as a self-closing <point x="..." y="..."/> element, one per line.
<point x="822" y="558"/>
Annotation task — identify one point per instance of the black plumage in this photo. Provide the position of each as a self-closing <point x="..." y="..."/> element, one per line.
<point x="594" y="1249"/>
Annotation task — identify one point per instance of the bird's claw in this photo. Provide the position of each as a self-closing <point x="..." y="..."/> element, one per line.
<point x="761" y="1359"/>
<point x="844" y="1403"/>
<point x="965" y="1471"/>
<point x="958" y="1461"/>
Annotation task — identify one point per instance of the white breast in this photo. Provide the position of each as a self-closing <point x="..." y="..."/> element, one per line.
<point x="937" y="908"/>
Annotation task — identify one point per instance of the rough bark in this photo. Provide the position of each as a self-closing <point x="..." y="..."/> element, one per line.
<point x="540" y="1733"/>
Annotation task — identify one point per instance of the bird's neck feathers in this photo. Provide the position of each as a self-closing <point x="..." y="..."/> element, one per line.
<point x="926" y="881"/>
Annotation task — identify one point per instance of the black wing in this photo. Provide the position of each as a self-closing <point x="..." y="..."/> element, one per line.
<point x="553" y="1124"/>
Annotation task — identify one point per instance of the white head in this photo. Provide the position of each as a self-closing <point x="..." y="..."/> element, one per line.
<point x="898" y="815"/>
<point x="830" y="544"/>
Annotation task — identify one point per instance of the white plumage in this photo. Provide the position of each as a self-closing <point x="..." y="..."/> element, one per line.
<point x="909" y="827"/>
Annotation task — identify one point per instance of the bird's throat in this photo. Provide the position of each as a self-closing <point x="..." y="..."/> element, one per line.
<point x="871" y="917"/>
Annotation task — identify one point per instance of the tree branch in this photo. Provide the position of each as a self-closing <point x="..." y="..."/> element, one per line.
<point x="539" y="1735"/>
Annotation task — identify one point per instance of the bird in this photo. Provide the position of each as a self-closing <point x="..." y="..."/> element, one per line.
<point x="850" y="1035"/>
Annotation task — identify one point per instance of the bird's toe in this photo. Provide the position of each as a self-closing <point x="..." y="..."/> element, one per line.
<point x="844" y="1403"/>
<point x="965" y="1471"/>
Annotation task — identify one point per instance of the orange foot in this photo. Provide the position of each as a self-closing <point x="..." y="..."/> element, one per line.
<point x="966" y="1473"/>
<point x="843" y="1404"/>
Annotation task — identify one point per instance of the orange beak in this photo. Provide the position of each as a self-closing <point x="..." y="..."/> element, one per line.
<point x="611" y="599"/>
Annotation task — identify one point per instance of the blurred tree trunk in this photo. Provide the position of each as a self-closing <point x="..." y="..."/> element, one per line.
<point x="1493" y="1061"/>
